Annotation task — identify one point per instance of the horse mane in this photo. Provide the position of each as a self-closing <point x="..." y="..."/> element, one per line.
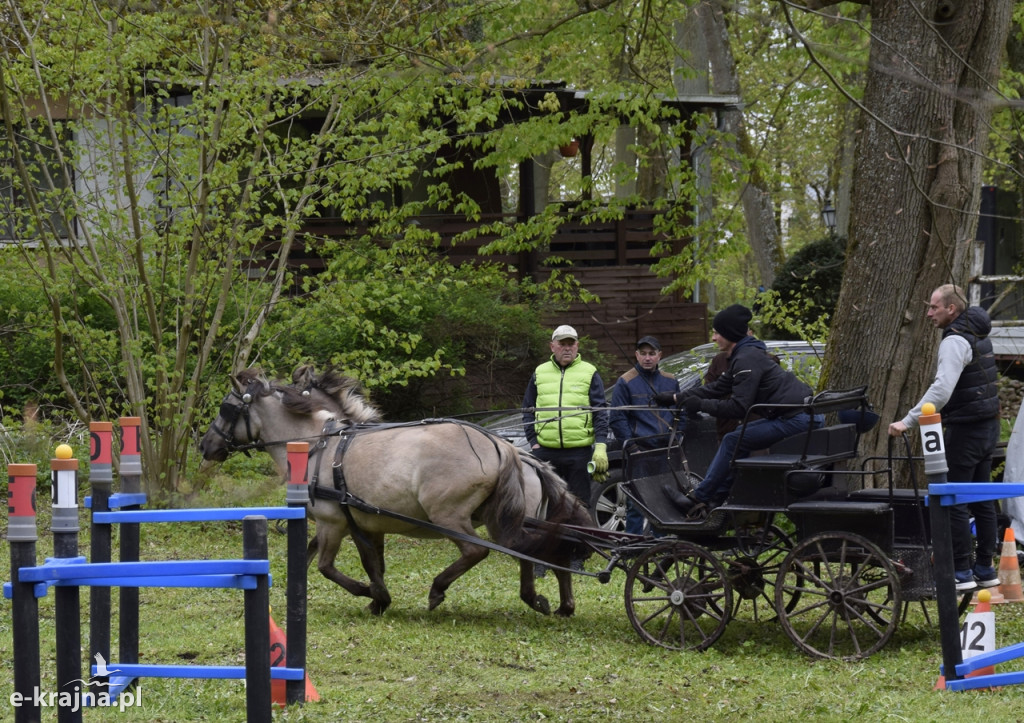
<point x="331" y="391"/>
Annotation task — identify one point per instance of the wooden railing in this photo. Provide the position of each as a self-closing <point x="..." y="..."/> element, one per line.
<point x="625" y="242"/>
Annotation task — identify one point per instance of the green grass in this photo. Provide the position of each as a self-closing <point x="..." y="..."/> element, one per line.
<point x="483" y="656"/>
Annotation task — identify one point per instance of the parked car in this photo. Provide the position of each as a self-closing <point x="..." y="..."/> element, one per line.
<point x="607" y="503"/>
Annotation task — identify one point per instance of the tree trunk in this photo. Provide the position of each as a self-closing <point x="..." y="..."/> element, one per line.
<point x="915" y="193"/>
<point x="758" y="206"/>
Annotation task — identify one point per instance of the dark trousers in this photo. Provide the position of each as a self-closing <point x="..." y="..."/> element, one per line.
<point x="571" y="465"/>
<point x="969" y="450"/>
<point x="758" y="434"/>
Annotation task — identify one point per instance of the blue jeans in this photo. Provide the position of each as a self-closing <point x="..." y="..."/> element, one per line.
<point x="758" y="434"/>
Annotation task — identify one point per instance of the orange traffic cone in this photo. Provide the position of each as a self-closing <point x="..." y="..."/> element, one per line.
<point x="277" y="660"/>
<point x="1009" y="569"/>
<point x="984" y="598"/>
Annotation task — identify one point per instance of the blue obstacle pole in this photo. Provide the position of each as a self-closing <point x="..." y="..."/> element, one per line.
<point x="22" y="534"/>
<point x="101" y="479"/>
<point x="131" y="484"/>
<point x="295" y="623"/>
<point x="67" y="615"/>
<point x="257" y="625"/>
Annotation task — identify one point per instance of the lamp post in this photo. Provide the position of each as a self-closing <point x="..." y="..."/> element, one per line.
<point x="828" y="215"/>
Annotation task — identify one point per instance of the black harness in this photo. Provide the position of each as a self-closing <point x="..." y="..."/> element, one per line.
<point x="230" y="414"/>
<point x="338" y="491"/>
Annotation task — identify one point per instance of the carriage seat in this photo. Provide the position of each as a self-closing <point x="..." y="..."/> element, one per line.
<point x="816" y="448"/>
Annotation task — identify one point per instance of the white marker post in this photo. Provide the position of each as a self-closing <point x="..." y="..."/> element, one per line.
<point x="935" y="469"/>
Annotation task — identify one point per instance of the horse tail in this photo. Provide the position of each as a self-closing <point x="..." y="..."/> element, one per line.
<point x="558" y="506"/>
<point x="506" y="514"/>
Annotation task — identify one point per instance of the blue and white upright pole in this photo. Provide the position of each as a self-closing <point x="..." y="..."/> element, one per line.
<point x="935" y="469"/>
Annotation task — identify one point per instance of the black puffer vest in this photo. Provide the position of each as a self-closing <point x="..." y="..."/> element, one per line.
<point x="975" y="396"/>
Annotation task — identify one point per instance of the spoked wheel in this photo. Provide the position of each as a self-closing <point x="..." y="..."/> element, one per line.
<point x="678" y="596"/>
<point x="608" y="507"/>
<point x="838" y="596"/>
<point x="753" y="567"/>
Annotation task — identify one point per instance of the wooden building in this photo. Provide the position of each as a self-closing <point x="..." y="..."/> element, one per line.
<point x="610" y="259"/>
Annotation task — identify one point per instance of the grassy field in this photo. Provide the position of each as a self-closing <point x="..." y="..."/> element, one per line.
<point x="483" y="656"/>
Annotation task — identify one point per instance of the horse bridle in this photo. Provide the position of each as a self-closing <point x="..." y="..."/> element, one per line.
<point x="230" y="413"/>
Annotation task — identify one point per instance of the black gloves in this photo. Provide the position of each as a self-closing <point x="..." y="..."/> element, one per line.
<point x="665" y="399"/>
<point x="692" y="403"/>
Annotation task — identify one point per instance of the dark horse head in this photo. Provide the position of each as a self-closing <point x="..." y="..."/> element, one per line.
<point x="238" y="424"/>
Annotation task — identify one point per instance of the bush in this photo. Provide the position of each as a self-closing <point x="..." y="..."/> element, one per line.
<point x="806" y="290"/>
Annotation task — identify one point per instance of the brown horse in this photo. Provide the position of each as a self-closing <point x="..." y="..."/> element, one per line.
<point x="442" y="473"/>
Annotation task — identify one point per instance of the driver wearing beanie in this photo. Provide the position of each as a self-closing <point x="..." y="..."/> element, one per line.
<point x="732" y="323"/>
<point x="752" y="377"/>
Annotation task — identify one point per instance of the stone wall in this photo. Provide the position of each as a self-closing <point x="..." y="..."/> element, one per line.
<point x="1011" y="392"/>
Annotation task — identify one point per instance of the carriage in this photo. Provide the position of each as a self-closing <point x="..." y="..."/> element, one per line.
<point x="812" y="534"/>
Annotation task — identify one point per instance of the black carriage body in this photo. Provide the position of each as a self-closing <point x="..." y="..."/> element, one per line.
<point x="810" y="495"/>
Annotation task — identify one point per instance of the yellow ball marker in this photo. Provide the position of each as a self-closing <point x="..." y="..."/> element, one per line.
<point x="927" y="408"/>
<point x="64" y="451"/>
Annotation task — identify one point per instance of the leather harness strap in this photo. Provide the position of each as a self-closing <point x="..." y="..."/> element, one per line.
<point x="340" y="493"/>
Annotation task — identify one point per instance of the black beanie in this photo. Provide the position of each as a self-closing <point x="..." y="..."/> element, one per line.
<point x="731" y="322"/>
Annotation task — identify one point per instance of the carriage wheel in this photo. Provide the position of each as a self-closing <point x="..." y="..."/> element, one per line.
<point x="753" y="566"/>
<point x="838" y="596"/>
<point x="608" y="507"/>
<point x="678" y="596"/>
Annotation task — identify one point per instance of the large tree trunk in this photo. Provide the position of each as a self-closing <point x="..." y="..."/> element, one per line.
<point x="915" y="192"/>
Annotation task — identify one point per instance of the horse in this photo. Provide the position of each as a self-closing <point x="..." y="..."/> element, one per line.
<point x="427" y="479"/>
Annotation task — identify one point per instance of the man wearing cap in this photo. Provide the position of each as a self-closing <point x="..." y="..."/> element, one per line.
<point x="643" y="429"/>
<point x="752" y="377"/>
<point x="565" y="414"/>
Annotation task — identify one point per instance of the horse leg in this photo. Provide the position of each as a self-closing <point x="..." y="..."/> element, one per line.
<point x="325" y="546"/>
<point x="528" y="589"/>
<point x="371" y="552"/>
<point x="567" y="602"/>
<point x="471" y="555"/>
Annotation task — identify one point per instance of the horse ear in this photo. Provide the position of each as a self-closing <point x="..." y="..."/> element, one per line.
<point x="303" y="375"/>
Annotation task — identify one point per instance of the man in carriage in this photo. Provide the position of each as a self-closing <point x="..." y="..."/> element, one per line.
<point x="753" y="377"/>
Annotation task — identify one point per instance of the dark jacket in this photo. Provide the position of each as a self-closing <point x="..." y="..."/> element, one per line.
<point x="753" y="377"/>
<point x="636" y="388"/>
<point x="975" y="396"/>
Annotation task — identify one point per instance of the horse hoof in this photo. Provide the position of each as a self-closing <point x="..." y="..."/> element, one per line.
<point x="565" y="612"/>
<point x="376" y="608"/>
<point x="541" y="605"/>
<point x="435" y="601"/>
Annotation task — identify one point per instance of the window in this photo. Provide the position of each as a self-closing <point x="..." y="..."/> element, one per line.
<point x="49" y="183"/>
